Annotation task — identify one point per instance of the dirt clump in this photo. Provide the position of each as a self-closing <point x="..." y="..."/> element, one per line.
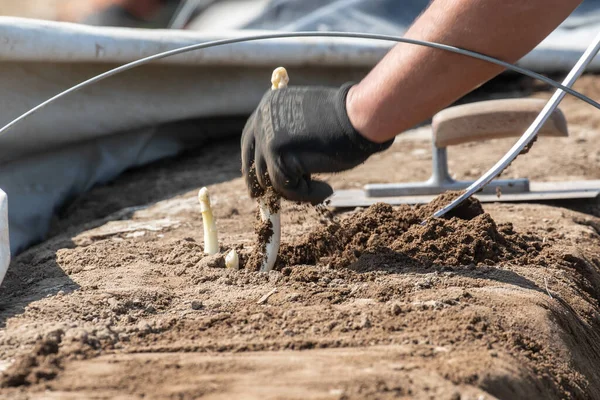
<point x="42" y="364"/>
<point x="48" y="356"/>
<point x="468" y="209"/>
<point x="272" y="200"/>
<point x="264" y="232"/>
<point x="214" y="261"/>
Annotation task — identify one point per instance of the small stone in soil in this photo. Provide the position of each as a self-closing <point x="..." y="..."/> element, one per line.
<point x="197" y="305"/>
<point x="396" y="309"/>
<point x="365" y="323"/>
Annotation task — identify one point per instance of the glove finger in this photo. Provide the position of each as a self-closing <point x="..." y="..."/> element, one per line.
<point x="247" y="154"/>
<point x="280" y="178"/>
<point x="262" y="176"/>
<point x="311" y="191"/>
<point x="248" y="163"/>
<point x="289" y="181"/>
<point x="252" y="183"/>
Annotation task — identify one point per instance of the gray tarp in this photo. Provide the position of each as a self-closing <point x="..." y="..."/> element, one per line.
<point x="100" y="132"/>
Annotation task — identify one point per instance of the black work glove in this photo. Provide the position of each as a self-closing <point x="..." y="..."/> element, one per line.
<point x="299" y="131"/>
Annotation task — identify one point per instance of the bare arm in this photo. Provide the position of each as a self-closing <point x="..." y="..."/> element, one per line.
<point x="413" y="82"/>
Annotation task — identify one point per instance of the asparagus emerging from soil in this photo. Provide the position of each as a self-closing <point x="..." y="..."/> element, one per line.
<point x="270" y="212"/>
<point x="232" y="260"/>
<point x="211" y="242"/>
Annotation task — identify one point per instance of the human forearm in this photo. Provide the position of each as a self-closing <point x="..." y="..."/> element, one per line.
<point x="413" y="82"/>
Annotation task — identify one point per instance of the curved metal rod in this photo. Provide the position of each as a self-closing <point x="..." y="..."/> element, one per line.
<point x="222" y="42"/>
<point x="530" y="133"/>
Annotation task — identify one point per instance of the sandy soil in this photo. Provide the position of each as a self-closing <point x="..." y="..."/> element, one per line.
<point x="121" y="303"/>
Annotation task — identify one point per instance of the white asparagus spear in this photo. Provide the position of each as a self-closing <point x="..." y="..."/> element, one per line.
<point x="211" y="242"/>
<point x="279" y="80"/>
<point x="232" y="260"/>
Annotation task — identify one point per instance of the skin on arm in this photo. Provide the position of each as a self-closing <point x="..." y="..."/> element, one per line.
<point x="412" y="82"/>
<point x="141" y="8"/>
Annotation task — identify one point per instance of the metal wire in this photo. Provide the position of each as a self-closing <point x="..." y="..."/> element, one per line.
<point x="281" y="35"/>
<point x="530" y="133"/>
<point x="185" y="11"/>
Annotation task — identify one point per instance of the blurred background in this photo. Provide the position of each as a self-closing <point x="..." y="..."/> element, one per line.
<point x="181" y="14"/>
<point x="58" y="10"/>
<point x="126" y="13"/>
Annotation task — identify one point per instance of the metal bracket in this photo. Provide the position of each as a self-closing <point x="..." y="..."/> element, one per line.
<point x="441" y="181"/>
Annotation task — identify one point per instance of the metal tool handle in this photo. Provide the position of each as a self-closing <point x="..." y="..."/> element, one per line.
<point x="528" y="136"/>
<point x="493" y="119"/>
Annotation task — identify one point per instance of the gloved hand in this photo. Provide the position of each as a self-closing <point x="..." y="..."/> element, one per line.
<point x="299" y="131"/>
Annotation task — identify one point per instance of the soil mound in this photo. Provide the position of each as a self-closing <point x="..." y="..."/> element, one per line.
<point x="382" y="234"/>
<point x="465" y="242"/>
